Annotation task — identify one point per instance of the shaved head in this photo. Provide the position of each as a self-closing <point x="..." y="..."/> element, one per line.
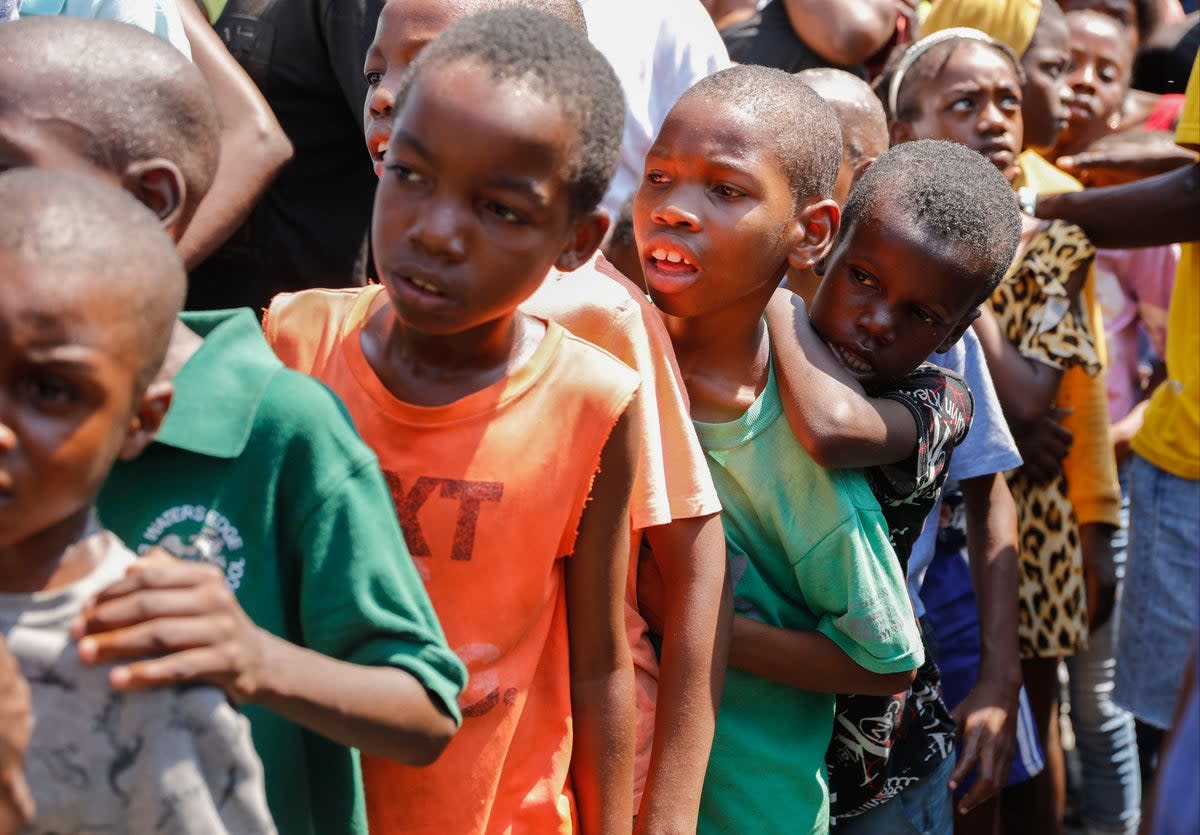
<point x="130" y="95"/>
<point x="859" y="111"/>
<point x="90" y="238"/>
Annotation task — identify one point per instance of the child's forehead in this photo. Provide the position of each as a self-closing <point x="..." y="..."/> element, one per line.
<point x="699" y="119"/>
<point x="969" y="60"/>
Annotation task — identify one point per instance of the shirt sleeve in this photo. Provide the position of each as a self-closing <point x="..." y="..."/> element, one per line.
<point x="1090" y="465"/>
<point x="851" y="581"/>
<point x="361" y="598"/>
<point x="941" y="404"/>
<point x="988" y="446"/>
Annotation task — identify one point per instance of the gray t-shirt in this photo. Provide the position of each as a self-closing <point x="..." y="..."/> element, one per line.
<point x="988" y="448"/>
<point x="170" y="760"/>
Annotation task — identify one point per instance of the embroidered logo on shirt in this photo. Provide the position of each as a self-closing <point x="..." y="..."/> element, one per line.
<point x="174" y="530"/>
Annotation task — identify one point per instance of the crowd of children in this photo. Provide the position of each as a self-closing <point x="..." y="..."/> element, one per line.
<point x="873" y="460"/>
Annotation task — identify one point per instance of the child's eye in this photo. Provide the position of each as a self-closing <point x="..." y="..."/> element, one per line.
<point x="656" y="178"/>
<point x="373" y="78"/>
<point x="865" y="279"/>
<point x="964" y="104"/>
<point x="926" y="317"/>
<point x="1011" y="102"/>
<point x="51" y="390"/>
<point x="1054" y="69"/>
<point x="727" y="191"/>
<point x="503" y="212"/>
<point x="405" y="174"/>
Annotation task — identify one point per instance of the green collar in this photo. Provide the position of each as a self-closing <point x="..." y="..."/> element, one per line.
<point x="218" y="390"/>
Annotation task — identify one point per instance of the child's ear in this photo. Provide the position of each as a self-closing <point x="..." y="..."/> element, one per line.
<point x="159" y="184"/>
<point x="818" y="227"/>
<point x="148" y="418"/>
<point x="588" y="232"/>
<point x="899" y="131"/>
<point x="958" y="331"/>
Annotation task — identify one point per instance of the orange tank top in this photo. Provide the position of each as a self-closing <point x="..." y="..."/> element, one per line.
<point x="489" y="490"/>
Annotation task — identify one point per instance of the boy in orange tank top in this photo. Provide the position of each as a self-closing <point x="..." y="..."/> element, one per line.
<point x="496" y="428"/>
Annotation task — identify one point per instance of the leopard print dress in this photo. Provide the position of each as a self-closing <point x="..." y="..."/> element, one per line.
<point x="1038" y="317"/>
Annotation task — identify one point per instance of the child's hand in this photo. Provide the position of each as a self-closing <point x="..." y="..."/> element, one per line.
<point x="1044" y="447"/>
<point x="16" y="725"/>
<point x="182" y="617"/>
<point x="987" y="720"/>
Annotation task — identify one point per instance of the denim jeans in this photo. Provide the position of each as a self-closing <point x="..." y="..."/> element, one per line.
<point x="1104" y="732"/>
<point x="923" y="809"/>
<point x="1162" y="577"/>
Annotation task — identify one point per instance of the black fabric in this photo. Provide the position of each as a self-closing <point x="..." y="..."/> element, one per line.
<point x="306" y="57"/>
<point x="883" y="744"/>
<point x="767" y="39"/>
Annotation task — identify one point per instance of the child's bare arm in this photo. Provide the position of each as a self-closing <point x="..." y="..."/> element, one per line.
<point x="253" y="145"/>
<point x="1025" y="387"/>
<point x="186" y="610"/>
<point x="987" y="717"/>
<point x="806" y="660"/>
<point x="697" y="609"/>
<point x="827" y="409"/>
<point x="602" y="692"/>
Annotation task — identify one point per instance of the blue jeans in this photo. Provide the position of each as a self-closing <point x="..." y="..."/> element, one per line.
<point x="923" y="809"/>
<point x="1104" y="732"/>
<point x="1158" y="609"/>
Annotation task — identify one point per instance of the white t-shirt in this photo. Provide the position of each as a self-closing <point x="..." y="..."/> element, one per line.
<point x="659" y="49"/>
<point x="173" y="760"/>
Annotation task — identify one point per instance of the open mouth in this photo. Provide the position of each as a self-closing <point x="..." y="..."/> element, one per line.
<point x="670" y="260"/>
<point x="424" y="286"/>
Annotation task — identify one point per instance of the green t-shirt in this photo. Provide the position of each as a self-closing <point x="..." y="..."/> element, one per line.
<point x="808" y="550"/>
<point x="258" y="469"/>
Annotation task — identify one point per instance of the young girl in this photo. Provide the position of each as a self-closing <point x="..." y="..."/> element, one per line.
<point x="962" y="85"/>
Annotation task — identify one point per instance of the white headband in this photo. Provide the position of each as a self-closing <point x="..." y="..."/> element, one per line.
<point x="920" y="48"/>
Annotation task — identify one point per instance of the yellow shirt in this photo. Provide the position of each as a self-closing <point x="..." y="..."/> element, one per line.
<point x="1090" y="466"/>
<point x="1170" y="436"/>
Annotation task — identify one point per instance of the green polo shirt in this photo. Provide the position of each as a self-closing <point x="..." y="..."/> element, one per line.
<point x="258" y="470"/>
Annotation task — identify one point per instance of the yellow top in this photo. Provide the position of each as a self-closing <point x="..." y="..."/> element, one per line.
<point x="1170" y="436"/>
<point x="1090" y="467"/>
<point x="1009" y="21"/>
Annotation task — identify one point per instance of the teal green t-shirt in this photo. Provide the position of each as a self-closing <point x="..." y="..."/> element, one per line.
<point x="258" y="470"/>
<point x="808" y="550"/>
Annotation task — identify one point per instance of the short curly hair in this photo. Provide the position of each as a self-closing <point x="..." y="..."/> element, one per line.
<point x="806" y="135"/>
<point x="550" y="58"/>
<point x="953" y="196"/>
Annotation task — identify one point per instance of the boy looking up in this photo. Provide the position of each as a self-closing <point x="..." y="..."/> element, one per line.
<point x="736" y="190"/>
<point x="89" y="289"/>
<point x="674" y="503"/>
<point x="327" y="639"/>
<point x="505" y="134"/>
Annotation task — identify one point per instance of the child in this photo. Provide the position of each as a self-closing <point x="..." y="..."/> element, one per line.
<point x="736" y="188"/>
<point x="1039" y="330"/>
<point x="505" y="135"/>
<point x="79" y="392"/>
<point x="674" y="502"/>
<point x="268" y="480"/>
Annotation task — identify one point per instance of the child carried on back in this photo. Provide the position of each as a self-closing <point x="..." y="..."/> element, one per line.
<point x="737" y="190"/>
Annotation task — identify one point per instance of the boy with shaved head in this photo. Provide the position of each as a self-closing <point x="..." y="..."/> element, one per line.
<point x="296" y="593"/>
<point x="89" y="290"/>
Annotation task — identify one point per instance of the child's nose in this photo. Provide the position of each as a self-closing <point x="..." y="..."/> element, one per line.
<point x="878" y="323"/>
<point x="674" y="213"/>
<point x="437" y="231"/>
<point x="380" y="102"/>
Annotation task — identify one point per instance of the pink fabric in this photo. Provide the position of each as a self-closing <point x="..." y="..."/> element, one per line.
<point x="1133" y="288"/>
